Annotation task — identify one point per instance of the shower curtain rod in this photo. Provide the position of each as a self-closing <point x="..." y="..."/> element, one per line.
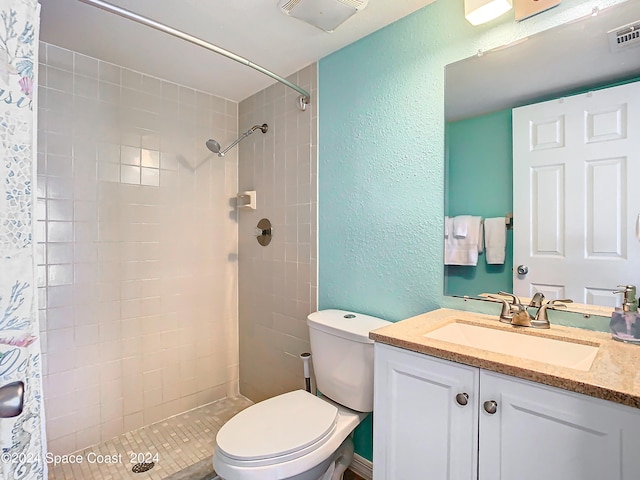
<point x="303" y="99"/>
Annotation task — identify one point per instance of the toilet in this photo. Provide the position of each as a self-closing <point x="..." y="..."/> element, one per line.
<point x="300" y="436"/>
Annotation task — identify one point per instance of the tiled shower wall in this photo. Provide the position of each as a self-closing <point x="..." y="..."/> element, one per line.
<point x="278" y="283"/>
<point x="137" y="239"/>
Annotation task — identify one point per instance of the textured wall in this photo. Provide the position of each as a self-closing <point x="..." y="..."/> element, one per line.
<point x="278" y="283"/>
<point x="381" y="167"/>
<point x="137" y="247"/>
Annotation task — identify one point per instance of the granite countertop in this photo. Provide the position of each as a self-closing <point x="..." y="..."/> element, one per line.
<point x="614" y="374"/>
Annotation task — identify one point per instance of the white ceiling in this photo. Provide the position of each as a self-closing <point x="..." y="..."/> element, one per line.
<point x="254" y="29"/>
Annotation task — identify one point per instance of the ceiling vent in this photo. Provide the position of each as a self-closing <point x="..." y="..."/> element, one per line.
<point x="326" y="15"/>
<point x="626" y="36"/>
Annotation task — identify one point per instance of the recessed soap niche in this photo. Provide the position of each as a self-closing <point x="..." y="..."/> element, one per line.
<point x="246" y="199"/>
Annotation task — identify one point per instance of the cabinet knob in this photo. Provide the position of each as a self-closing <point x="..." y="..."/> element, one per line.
<point x="462" y="399"/>
<point x="490" y="407"/>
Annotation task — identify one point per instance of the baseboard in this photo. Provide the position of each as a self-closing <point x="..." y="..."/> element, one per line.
<point x="362" y="467"/>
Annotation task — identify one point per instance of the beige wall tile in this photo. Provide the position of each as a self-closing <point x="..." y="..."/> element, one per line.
<point x="277" y="284"/>
<point x="127" y="224"/>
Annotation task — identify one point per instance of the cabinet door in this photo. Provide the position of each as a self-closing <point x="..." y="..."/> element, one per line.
<point x="420" y="430"/>
<point x="540" y="432"/>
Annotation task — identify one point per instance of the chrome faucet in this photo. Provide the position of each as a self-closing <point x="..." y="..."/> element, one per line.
<point x="542" y="319"/>
<point x="516" y="314"/>
<point x="506" y="314"/>
<point x="521" y="316"/>
<point x="513" y="313"/>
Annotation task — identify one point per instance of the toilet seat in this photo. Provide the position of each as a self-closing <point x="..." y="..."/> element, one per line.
<point x="277" y="430"/>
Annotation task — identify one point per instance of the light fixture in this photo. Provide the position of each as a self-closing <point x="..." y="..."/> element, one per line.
<point x="478" y="12"/>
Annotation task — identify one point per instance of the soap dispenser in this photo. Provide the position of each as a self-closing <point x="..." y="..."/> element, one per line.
<point x="625" y="321"/>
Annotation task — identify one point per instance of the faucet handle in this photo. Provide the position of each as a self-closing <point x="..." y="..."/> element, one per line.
<point x="542" y="319"/>
<point x="514" y="299"/>
<point x="505" y="314"/>
<point x="552" y="304"/>
<point x="558" y="302"/>
<point x="537" y="300"/>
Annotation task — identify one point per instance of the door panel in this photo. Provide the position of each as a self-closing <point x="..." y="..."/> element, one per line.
<point x="547" y="196"/>
<point x="547" y="133"/>
<point x="606" y="204"/>
<point x="606" y="124"/>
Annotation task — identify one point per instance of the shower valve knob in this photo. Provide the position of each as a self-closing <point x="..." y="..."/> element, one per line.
<point x="263" y="232"/>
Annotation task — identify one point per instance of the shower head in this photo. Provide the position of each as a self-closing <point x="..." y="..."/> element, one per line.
<point x="263" y="128"/>
<point x="214" y="146"/>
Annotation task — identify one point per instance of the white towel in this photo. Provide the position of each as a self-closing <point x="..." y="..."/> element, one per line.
<point x="461" y="225"/>
<point x="447" y="226"/>
<point x="464" y="251"/>
<point x="495" y="239"/>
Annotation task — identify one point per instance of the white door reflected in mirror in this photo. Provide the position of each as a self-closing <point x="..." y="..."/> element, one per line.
<point x="575" y="165"/>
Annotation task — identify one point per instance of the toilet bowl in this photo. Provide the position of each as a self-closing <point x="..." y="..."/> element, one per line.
<point x="293" y="436"/>
<point x="300" y="436"/>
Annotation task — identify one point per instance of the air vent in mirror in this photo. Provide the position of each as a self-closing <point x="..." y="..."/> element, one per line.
<point x="625" y="36"/>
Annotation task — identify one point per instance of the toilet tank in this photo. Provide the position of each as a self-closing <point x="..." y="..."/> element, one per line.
<point x="342" y="356"/>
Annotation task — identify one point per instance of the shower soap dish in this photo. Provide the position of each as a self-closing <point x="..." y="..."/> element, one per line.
<point x="246" y="199"/>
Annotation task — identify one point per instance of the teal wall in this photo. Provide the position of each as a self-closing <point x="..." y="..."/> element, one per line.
<point x="381" y="159"/>
<point x="479" y="172"/>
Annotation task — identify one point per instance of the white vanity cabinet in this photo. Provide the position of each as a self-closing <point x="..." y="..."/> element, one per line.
<point x="423" y="429"/>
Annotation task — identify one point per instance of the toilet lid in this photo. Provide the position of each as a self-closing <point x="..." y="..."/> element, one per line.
<point x="277" y="426"/>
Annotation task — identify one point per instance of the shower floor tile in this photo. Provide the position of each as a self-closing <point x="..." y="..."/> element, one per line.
<point x="173" y="444"/>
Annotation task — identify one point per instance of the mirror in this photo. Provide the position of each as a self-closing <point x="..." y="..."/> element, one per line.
<point x="480" y="93"/>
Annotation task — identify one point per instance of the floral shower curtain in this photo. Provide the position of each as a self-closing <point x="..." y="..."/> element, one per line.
<point x="22" y="438"/>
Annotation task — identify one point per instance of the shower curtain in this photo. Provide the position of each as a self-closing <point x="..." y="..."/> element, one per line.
<point x="22" y="440"/>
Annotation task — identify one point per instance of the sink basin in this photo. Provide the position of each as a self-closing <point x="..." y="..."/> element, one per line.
<point x="547" y="350"/>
